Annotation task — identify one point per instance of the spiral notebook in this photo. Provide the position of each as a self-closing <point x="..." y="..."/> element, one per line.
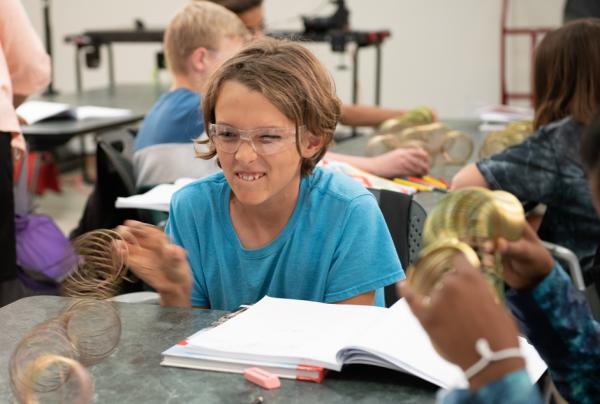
<point x="300" y="340"/>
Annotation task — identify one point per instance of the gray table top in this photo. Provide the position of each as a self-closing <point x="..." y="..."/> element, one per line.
<point x="137" y="98"/>
<point x="132" y="374"/>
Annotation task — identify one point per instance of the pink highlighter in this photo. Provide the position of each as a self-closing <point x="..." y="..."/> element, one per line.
<point x="261" y="377"/>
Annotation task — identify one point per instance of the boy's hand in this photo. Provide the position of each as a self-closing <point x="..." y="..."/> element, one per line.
<point x="461" y="310"/>
<point x="157" y="262"/>
<point x="526" y="261"/>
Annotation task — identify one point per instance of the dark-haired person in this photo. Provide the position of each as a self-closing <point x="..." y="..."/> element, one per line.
<point x="396" y="163"/>
<point x="552" y="313"/>
<point x="547" y="167"/>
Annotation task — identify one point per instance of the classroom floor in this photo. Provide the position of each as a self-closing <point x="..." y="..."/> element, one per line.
<point x="65" y="207"/>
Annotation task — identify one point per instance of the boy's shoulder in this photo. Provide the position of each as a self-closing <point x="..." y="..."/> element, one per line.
<point x="200" y="189"/>
<point x="331" y="184"/>
<point x="181" y="98"/>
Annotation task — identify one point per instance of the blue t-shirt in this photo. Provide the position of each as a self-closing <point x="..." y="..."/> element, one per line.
<point x="174" y="118"/>
<point x="335" y="245"/>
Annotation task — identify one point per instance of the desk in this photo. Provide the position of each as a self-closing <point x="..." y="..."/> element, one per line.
<point x="137" y="98"/>
<point x="49" y="134"/>
<point x="94" y="40"/>
<point x="133" y="374"/>
<point x="356" y="146"/>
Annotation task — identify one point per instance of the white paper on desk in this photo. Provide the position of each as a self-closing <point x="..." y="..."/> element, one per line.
<point x="504" y="113"/>
<point x="35" y="111"/>
<point x="89" y="111"/>
<point x="286" y="330"/>
<point x="402" y="341"/>
<point x="158" y="198"/>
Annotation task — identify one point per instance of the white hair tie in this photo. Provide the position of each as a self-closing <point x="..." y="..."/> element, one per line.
<point x="482" y="347"/>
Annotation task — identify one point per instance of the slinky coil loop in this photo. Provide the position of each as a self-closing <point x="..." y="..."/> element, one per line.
<point x="469" y="221"/>
<point x="497" y="141"/>
<point x="453" y="146"/>
<point x="101" y="265"/>
<point x="94" y="328"/>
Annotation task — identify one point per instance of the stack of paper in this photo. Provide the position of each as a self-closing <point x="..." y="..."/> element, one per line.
<point x="495" y="117"/>
<point x="158" y="198"/>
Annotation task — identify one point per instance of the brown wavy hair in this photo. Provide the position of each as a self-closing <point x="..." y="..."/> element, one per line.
<point x="292" y="79"/>
<point x="567" y="73"/>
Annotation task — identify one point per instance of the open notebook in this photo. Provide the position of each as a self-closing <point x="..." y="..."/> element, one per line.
<point x="37" y="111"/>
<point x="300" y="339"/>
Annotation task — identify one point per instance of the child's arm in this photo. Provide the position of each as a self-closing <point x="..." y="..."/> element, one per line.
<point x="28" y="63"/>
<point x="469" y="176"/>
<point x="362" y="115"/>
<point x="401" y="162"/>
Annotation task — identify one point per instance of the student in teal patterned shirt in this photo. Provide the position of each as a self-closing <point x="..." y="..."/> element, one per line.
<point x="551" y="312"/>
<point x="547" y="168"/>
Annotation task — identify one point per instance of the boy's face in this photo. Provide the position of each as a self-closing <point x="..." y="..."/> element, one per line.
<point x="254" y="20"/>
<point x="255" y="179"/>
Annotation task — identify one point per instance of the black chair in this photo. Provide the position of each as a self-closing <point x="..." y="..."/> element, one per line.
<point x="114" y="178"/>
<point x="405" y="219"/>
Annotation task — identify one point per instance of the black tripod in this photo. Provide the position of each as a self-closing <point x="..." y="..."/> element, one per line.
<point x="50" y="90"/>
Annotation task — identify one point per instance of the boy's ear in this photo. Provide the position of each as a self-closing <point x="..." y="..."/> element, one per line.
<point x="197" y="59"/>
<point x="311" y="145"/>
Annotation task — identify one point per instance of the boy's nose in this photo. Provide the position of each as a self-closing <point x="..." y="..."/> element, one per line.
<point x="246" y="151"/>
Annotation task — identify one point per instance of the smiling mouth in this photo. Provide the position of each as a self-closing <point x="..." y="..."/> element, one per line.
<point x="249" y="177"/>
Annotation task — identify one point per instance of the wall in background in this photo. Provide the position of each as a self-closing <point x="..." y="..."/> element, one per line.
<point x="442" y="53"/>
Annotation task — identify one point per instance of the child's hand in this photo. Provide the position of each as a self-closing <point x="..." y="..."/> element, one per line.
<point x="18" y="146"/>
<point x="526" y="261"/>
<point x="157" y="262"/>
<point x="401" y="162"/>
<point x="461" y="310"/>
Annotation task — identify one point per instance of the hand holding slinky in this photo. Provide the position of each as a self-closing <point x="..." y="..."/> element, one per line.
<point x="461" y="310"/>
<point x="525" y="261"/>
<point x="401" y="162"/>
<point x="158" y="262"/>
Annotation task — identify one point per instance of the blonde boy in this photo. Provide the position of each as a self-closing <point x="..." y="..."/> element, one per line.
<point x="198" y="39"/>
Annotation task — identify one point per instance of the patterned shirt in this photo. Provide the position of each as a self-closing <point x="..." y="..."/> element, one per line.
<point x="547" y="169"/>
<point x="514" y="388"/>
<point x="557" y="320"/>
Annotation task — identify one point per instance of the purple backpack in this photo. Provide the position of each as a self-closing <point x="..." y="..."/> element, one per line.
<point x="43" y="251"/>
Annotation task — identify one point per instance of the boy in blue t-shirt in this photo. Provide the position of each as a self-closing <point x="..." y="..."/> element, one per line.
<point x="270" y="223"/>
<point x="198" y="39"/>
